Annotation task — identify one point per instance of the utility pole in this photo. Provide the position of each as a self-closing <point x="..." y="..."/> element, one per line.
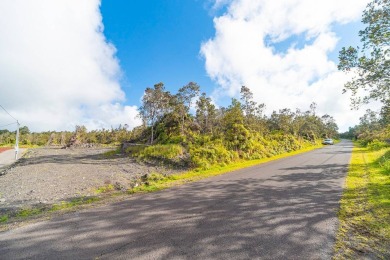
<point x="17" y="140"/>
<point x="17" y="133"/>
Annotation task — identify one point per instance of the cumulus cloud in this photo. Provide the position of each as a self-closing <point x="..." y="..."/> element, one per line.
<point x="57" y="69"/>
<point x="246" y="51"/>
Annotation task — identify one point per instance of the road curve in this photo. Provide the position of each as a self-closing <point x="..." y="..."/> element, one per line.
<point x="285" y="209"/>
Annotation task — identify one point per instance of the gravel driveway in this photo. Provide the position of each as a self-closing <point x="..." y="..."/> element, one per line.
<point x="50" y="175"/>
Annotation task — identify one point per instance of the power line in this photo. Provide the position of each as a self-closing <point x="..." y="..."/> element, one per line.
<point x="8" y="113"/>
<point x="7" y="125"/>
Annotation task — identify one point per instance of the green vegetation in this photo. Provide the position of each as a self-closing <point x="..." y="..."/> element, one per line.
<point x="28" y="139"/>
<point x="112" y="153"/>
<point x="365" y="207"/>
<point x="169" y="153"/>
<point x="105" y="189"/>
<point x="370" y="63"/>
<point x="3" y="218"/>
<point x="170" y="133"/>
<point x="73" y="203"/>
<point x="373" y="128"/>
<point x="220" y="136"/>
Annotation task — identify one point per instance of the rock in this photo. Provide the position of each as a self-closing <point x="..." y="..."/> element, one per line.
<point x="119" y="186"/>
<point x="2" y="200"/>
<point x="144" y="177"/>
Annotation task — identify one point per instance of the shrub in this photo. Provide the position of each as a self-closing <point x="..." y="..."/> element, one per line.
<point x="169" y="153"/>
<point x="206" y="156"/>
<point x="385" y="162"/>
<point x="376" y="145"/>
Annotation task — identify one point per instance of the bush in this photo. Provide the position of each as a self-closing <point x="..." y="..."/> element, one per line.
<point x="376" y="145"/>
<point x="205" y="156"/>
<point x="169" y="153"/>
<point x="385" y="162"/>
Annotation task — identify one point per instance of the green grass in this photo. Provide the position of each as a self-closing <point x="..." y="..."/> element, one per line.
<point x="163" y="182"/>
<point x="105" y="189"/>
<point x="112" y="153"/>
<point x="364" y="215"/>
<point x="28" y="212"/>
<point x="73" y="203"/>
<point x="4" y="219"/>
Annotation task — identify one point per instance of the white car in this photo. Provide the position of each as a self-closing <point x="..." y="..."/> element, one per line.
<point x="328" y="141"/>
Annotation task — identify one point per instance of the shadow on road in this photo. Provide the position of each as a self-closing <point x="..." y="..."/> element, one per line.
<point x="270" y="218"/>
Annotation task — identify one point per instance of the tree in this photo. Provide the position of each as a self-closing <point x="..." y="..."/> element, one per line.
<point x="155" y="104"/>
<point x="24" y="130"/>
<point x="205" y="113"/>
<point x="248" y="105"/>
<point x="254" y="113"/>
<point x="184" y="97"/>
<point x="385" y="115"/>
<point x="330" y="126"/>
<point x="233" y="114"/>
<point x="372" y="61"/>
<point x="235" y="133"/>
<point x="282" y="121"/>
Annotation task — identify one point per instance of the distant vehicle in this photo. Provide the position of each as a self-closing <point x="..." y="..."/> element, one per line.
<point x="328" y="141"/>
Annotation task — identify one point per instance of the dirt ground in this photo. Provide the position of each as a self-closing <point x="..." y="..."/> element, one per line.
<point x="51" y="175"/>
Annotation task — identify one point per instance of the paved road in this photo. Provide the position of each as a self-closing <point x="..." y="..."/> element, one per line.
<point x="8" y="157"/>
<point x="284" y="209"/>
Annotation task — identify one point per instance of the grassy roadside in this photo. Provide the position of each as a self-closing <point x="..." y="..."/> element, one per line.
<point x="151" y="183"/>
<point x="364" y="229"/>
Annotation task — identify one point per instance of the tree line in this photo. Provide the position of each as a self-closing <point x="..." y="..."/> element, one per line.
<point x="166" y="117"/>
<point x="190" y="124"/>
<point x="61" y="138"/>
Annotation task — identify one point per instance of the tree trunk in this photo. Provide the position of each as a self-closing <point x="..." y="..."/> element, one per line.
<point x="151" y="139"/>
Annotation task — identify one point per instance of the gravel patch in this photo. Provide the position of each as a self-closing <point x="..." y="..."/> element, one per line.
<point x="51" y="175"/>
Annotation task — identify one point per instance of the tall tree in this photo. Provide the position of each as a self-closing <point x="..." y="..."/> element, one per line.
<point x="185" y="96"/>
<point x="248" y="105"/>
<point x="253" y="112"/>
<point x="371" y="62"/>
<point x="205" y="113"/>
<point x="155" y="104"/>
<point x="235" y="133"/>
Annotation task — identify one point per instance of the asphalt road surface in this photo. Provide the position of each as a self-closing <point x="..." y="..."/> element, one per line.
<point x="285" y="209"/>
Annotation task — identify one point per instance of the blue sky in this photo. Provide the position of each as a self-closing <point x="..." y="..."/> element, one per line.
<point x="88" y="63"/>
<point x="158" y="41"/>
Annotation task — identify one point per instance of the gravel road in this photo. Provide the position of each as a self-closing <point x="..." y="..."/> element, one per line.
<point x="50" y="175"/>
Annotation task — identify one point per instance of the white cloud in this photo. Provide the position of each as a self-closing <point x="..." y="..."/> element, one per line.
<point x="56" y="67"/>
<point x="243" y="52"/>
